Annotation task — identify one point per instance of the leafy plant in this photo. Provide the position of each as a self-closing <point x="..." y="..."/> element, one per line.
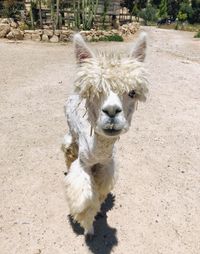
<point x="182" y="16"/>
<point x="148" y="14"/>
<point x="196" y="11"/>
<point x="23" y="26"/>
<point x="173" y="7"/>
<point x="136" y="12"/>
<point x="114" y="37"/>
<point x="186" y="8"/>
<point x="11" y="8"/>
<point x="163" y="9"/>
<point x="130" y="4"/>
<point x="197" y="35"/>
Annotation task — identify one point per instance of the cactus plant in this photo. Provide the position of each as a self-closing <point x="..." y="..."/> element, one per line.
<point x="84" y="13"/>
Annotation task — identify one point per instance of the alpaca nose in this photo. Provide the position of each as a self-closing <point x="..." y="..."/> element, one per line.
<point x="112" y="110"/>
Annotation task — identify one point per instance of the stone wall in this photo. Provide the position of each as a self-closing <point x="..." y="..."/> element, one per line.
<point x="12" y="31"/>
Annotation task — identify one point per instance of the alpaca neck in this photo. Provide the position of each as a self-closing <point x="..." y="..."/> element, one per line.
<point x="102" y="147"/>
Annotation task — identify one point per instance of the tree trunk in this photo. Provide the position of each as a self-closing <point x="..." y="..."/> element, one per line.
<point x="57" y="14"/>
<point x="31" y="15"/>
<point x="52" y="15"/>
<point x="40" y="13"/>
<point x="106" y="7"/>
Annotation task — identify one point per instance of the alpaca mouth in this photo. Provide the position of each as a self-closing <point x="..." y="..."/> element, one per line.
<point x="111" y="132"/>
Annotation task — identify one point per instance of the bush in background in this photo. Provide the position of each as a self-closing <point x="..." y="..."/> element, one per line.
<point x="148" y="14"/>
<point x="197" y="35"/>
<point x="114" y="37"/>
<point x="11" y="8"/>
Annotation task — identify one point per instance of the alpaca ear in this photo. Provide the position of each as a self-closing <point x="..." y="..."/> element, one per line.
<point x="82" y="52"/>
<point x="139" y="49"/>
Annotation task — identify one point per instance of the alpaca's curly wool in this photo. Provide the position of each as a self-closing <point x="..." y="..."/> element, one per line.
<point x="108" y="87"/>
<point x="109" y="71"/>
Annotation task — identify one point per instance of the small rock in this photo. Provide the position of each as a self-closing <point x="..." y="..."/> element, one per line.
<point x="4" y="30"/>
<point x="27" y="36"/>
<point x="45" y="37"/>
<point x="67" y="32"/>
<point x="83" y="33"/>
<point x="39" y="31"/>
<point x="64" y="38"/>
<point x="36" y="37"/>
<point x="5" y="21"/>
<point x="185" y="62"/>
<point x="10" y="36"/>
<point x="57" y="32"/>
<point x="64" y="28"/>
<point x="15" y="34"/>
<point x="54" y="39"/>
<point x="14" y="24"/>
<point x="48" y="32"/>
<point x="45" y="27"/>
<point x="29" y="31"/>
<point x="89" y="38"/>
<point x="19" y="35"/>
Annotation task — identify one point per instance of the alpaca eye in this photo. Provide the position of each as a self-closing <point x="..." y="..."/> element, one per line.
<point x="132" y="93"/>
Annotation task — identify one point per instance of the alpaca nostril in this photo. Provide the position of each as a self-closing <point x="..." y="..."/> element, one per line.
<point x="118" y="110"/>
<point x="111" y="111"/>
<point x="105" y="111"/>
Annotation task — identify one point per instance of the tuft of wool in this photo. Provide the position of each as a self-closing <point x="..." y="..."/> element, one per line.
<point x="109" y="71"/>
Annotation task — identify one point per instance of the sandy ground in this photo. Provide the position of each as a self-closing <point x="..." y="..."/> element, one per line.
<point x="155" y="206"/>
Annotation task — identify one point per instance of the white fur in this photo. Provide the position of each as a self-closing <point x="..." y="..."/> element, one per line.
<point x="100" y="110"/>
<point x="108" y="71"/>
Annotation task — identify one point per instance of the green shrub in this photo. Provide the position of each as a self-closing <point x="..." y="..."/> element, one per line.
<point x="11" y="8"/>
<point x="23" y="26"/>
<point x="197" y="35"/>
<point x="182" y="16"/>
<point x="148" y="14"/>
<point x="163" y="9"/>
<point x="186" y="8"/>
<point x="196" y="11"/>
<point x="114" y="37"/>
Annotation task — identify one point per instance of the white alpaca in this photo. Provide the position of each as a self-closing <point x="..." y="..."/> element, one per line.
<point x="107" y="89"/>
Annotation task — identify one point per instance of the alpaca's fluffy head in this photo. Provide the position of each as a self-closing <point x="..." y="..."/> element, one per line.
<point x="111" y="85"/>
<point x="110" y="72"/>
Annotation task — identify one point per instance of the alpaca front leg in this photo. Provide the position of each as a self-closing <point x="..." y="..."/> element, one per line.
<point x="105" y="177"/>
<point x="86" y="218"/>
<point x="82" y="197"/>
<point x="70" y="149"/>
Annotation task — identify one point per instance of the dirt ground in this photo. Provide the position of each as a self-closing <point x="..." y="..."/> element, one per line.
<point x="155" y="206"/>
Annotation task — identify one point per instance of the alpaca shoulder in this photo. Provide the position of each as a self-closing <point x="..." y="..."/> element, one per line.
<point x="78" y="124"/>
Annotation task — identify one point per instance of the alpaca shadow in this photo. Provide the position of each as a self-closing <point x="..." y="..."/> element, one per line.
<point x="105" y="237"/>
